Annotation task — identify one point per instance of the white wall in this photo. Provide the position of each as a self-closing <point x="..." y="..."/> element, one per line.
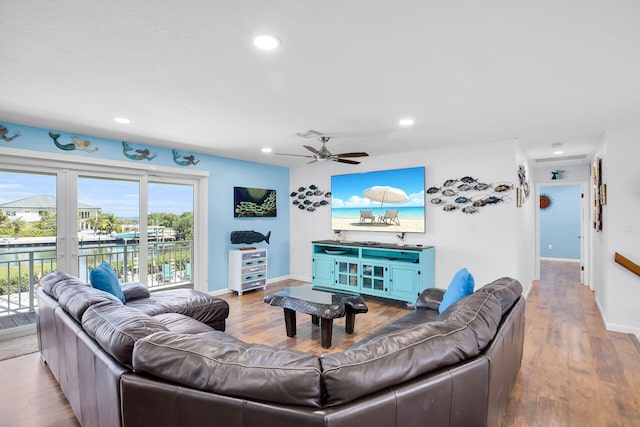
<point x="526" y="224"/>
<point x="617" y="289"/>
<point x="491" y="243"/>
<point x="573" y="173"/>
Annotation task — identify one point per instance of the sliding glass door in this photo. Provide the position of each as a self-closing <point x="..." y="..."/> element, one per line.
<point x="145" y="222"/>
<point x="170" y="233"/>
<point x="28" y="232"/>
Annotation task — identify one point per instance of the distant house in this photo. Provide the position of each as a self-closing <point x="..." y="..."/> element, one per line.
<point x="30" y="209"/>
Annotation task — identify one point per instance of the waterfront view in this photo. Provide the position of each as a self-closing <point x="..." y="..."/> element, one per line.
<point x="107" y="229"/>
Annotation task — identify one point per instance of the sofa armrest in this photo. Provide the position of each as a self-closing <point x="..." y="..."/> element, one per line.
<point x="430" y="298"/>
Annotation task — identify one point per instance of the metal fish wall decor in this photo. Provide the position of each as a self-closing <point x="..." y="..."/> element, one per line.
<point x="468" y="194"/>
<point x="310" y="198"/>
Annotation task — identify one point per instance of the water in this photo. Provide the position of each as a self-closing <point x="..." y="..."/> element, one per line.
<point x="413" y="212"/>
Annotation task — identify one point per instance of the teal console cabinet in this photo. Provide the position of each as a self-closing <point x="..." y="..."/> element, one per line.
<point x="383" y="270"/>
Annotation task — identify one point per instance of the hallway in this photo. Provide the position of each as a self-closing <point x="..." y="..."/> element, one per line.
<point x="574" y="372"/>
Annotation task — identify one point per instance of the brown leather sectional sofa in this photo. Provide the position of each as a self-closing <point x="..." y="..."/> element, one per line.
<point x="451" y="369"/>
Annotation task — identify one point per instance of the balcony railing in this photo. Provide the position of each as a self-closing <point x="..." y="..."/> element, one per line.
<point x="169" y="264"/>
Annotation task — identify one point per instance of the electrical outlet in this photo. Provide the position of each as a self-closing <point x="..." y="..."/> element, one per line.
<point x="630" y="228"/>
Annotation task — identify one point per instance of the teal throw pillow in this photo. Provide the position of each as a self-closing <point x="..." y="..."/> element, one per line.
<point x="104" y="278"/>
<point x="461" y="285"/>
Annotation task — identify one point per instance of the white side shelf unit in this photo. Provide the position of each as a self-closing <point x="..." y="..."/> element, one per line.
<point x="247" y="270"/>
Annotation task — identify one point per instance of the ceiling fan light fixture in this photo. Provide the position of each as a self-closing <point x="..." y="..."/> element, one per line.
<point x="266" y="42"/>
<point x="407" y="121"/>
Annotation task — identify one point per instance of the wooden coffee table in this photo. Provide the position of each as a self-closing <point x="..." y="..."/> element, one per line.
<point x="322" y="306"/>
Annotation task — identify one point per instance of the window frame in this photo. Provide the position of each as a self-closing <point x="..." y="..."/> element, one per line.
<point x="68" y="168"/>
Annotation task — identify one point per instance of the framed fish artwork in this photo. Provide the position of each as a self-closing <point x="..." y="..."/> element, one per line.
<point x="254" y="202"/>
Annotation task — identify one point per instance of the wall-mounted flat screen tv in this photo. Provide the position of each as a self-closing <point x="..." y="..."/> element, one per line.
<point x="388" y="200"/>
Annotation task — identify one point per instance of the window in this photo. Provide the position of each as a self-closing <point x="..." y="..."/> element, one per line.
<point x="21" y="266"/>
<point x="132" y="230"/>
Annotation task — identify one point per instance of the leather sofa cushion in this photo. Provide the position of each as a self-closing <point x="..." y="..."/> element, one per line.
<point x="217" y="362"/>
<point x="134" y="290"/>
<point x="480" y="312"/>
<point x="57" y="282"/>
<point x="506" y="290"/>
<point x="394" y="358"/>
<point x="409" y="320"/>
<point x="181" y="324"/>
<point x="197" y="305"/>
<point x="416" y="345"/>
<point x="430" y="298"/>
<point x="78" y="299"/>
<point x="116" y="328"/>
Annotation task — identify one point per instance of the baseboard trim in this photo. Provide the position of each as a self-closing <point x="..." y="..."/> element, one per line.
<point x="17" y="332"/>
<point x="615" y="327"/>
<point x="634" y="338"/>
<point x="560" y="259"/>
<point x="224" y="291"/>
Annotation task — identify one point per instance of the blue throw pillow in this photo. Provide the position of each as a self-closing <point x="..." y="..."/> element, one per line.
<point x="461" y="285"/>
<point x="104" y="278"/>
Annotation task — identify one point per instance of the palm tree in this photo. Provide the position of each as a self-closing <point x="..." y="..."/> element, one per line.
<point x="106" y="222"/>
<point x="16" y="225"/>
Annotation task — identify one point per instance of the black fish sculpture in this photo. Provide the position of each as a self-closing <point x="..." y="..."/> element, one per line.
<point x="248" y="237"/>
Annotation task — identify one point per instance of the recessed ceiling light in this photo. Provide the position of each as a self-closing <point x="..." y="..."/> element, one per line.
<point x="122" y="120"/>
<point x="266" y="150"/>
<point x="406" y="122"/>
<point x="266" y="42"/>
<point x="557" y="148"/>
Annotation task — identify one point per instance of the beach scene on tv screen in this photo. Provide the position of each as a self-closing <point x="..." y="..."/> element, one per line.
<point x="388" y="200"/>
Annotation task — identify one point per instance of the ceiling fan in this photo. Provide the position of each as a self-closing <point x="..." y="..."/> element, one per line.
<point x="323" y="153"/>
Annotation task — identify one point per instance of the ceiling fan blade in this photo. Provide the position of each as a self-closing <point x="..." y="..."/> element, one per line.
<point x="354" y="154"/>
<point x="313" y="150"/>
<point x="295" y="155"/>
<point x="309" y="134"/>
<point x="351" y="162"/>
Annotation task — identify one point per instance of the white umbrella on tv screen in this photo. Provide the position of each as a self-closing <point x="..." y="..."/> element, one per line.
<point x="385" y="194"/>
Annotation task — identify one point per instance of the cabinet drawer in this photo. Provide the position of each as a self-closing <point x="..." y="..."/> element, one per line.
<point x="258" y="261"/>
<point x="254" y="284"/>
<point x="253" y="268"/>
<point x="253" y="255"/>
<point x="253" y="276"/>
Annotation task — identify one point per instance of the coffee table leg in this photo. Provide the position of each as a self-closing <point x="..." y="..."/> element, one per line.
<point x="315" y="319"/>
<point x="350" y="322"/>
<point x="290" y="322"/>
<point x="326" y="329"/>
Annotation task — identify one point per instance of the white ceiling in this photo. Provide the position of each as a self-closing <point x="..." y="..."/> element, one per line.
<point x="187" y="75"/>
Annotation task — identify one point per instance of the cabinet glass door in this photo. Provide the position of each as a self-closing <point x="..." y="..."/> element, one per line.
<point x="373" y="277"/>
<point x="346" y="274"/>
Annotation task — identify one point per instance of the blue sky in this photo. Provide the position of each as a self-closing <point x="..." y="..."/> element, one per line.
<point x="347" y="190"/>
<point x="116" y="197"/>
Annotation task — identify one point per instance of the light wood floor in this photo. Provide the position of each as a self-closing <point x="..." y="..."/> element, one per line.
<point x="574" y="372"/>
